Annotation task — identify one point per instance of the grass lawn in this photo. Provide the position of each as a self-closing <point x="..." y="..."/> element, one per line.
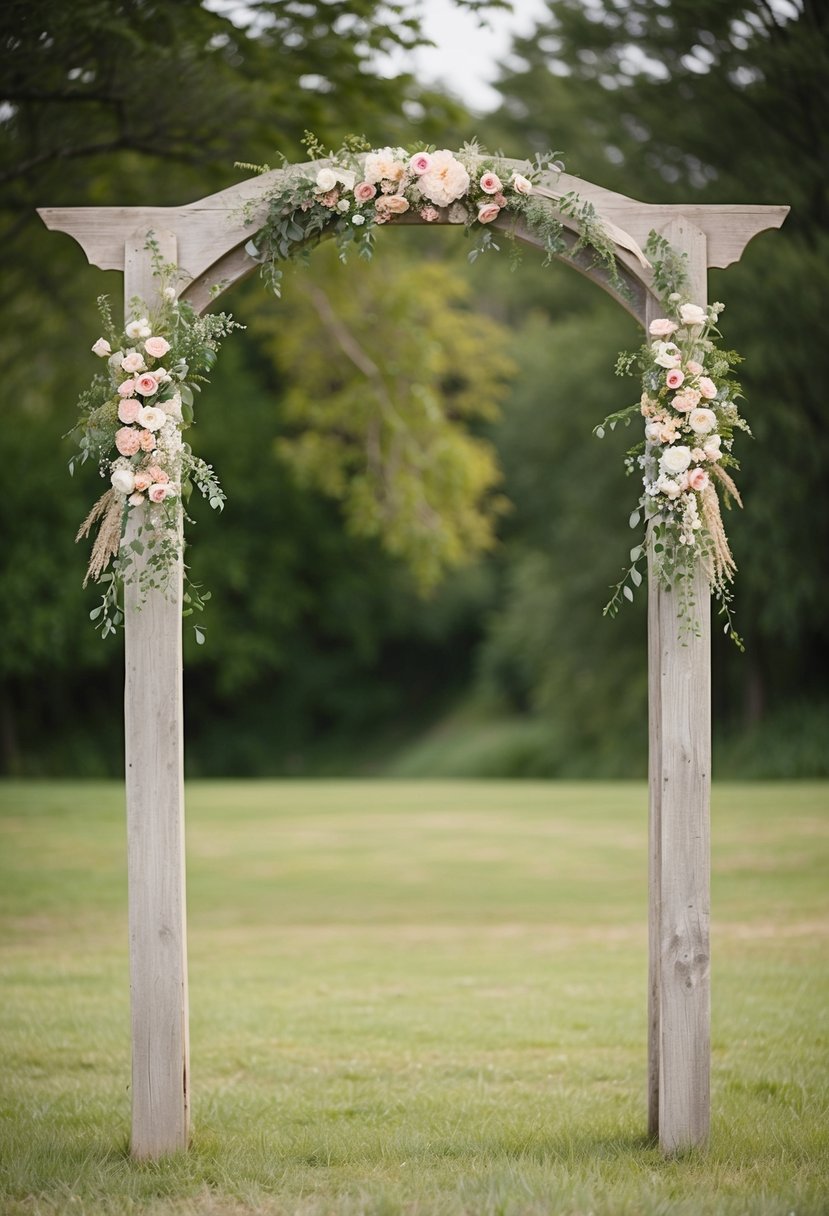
<point x="413" y="998"/>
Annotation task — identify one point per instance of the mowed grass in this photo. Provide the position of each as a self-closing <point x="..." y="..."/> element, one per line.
<point x="413" y="998"/>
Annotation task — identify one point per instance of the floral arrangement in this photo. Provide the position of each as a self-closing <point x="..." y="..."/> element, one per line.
<point x="356" y="189"/>
<point x="132" y="420"/>
<point x="689" y="406"/>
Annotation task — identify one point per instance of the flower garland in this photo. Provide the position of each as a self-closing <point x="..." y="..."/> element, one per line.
<point x="357" y="189"/>
<point x="142" y="407"/>
<point x="688" y="402"/>
<point x="132" y="420"/>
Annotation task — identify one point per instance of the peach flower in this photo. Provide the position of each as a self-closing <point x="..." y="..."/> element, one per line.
<point x="127" y="441"/>
<point x="143" y="481"/>
<point x="128" y="409"/>
<point x="146" y="441"/>
<point x="392" y="204"/>
<point x="157" y="474"/>
<point x="157" y="347"/>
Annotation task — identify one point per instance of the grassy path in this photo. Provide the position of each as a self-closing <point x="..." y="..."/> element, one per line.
<point x="412" y="998"/>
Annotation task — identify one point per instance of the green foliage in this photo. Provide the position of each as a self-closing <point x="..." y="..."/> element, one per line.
<point x="388" y="369"/>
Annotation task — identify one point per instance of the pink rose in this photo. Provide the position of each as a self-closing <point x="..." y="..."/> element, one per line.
<point x="707" y="387"/>
<point x="146" y="385"/>
<point x="146" y="441"/>
<point x="420" y="163"/>
<point x="143" y="481"/>
<point x="694" y="368"/>
<point x="487" y="212"/>
<point x="429" y="214"/>
<point x="157" y="347"/>
<point x="157" y="493"/>
<point x="674" y="378"/>
<point x="127" y="441"/>
<point x="490" y="183"/>
<point x="521" y="184"/>
<point x="364" y="191"/>
<point x="126" y="388"/>
<point x="128" y="409"/>
<point x="662" y="327"/>
<point x="157" y="474"/>
<point x="392" y="204"/>
<point x="697" y="479"/>
<point x="133" y="362"/>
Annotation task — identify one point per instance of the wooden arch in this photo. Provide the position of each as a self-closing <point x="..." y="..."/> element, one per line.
<point x="207" y="239"/>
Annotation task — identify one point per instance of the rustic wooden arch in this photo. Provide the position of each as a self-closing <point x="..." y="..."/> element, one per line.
<point x="207" y="239"/>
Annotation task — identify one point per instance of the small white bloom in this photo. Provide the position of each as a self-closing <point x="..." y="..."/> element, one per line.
<point x="675" y="459"/>
<point x="151" y="417"/>
<point x="702" y="420"/>
<point x="169" y="293"/>
<point x="653" y="430"/>
<point x="692" y="314"/>
<point x="123" y="480"/>
<point x="667" y="354"/>
<point x="674" y="297"/>
<point x="102" y="348"/>
<point x="712" y="447"/>
<point x="172" y="406"/>
<point x="145" y="332"/>
<point x="358" y="220"/>
<point x="343" y="205"/>
<point x="326" y="179"/>
<point x="133" y="330"/>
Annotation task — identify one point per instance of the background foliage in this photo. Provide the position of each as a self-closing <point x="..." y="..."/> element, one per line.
<point x="322" y="654"/>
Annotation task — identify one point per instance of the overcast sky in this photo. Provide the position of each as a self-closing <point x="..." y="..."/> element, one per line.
<point x="465" y="56"/>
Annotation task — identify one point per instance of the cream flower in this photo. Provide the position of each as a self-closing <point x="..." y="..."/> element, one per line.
<point x="675" y="459"/>
<point x="383" y="165"/>
<point x="692" y="314"/>
<point x="102" y="348"/>
<point x="123" y="480"/>
<point x="151" y="417"/>
<point x="446" y="180"/>
<point x="702" y="420"/>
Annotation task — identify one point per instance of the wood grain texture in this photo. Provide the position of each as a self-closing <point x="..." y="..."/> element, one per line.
<point x="653" y="310"/>
<point x="154" y="712"/>
<point x="682" y="745"/>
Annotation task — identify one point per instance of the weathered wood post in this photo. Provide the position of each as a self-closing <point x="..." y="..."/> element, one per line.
<point x="154" y="742"/>
<point x="679" y="680"/>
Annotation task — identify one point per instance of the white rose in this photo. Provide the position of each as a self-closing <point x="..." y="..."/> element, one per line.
<point x="343" y="205"/>
<point x="692" y="314"/>
<point x="151" y="417"/>
<point x="712" y="446"/>
<point x="670" y="488"/>
<point x="702" y="420"/>
<point x="326" y="179"/>
<point x="134" y="328"/>
<point x="102" y="348"/>
<point x="123" y="480"/>
<point x="358" y="219"/>
<point x="145" y="332"/>
<point x="653" y="430"/>
<point x="445" y="181"/>
<point x="667" y="354"/>
<point x="675" y="459"/>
